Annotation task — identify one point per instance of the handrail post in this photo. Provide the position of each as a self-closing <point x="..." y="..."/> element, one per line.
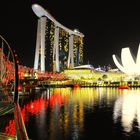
<point x="16" y="82"/>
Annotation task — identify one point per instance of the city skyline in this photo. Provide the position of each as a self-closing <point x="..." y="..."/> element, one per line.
<point x="107" y="28"/>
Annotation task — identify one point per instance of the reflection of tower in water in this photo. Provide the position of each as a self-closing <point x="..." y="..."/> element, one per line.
<point x="69" y="116"/>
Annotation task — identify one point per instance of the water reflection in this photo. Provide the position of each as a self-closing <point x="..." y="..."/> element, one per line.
<point x="60" y="109"/>
<point x="61" y="112"/>
<point x="127" y="109"/>
<point x="73" y="113"/>
<point x="66" y="112"/>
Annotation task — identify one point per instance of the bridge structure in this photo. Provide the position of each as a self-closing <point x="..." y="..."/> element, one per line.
<point x="26" y="74"/>
<point x="57" y="47"/>
<point x="9" y="80"/>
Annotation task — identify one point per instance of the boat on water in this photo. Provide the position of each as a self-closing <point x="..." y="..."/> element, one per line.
<point x="124" y="87"/>
<point x="76" y="85"/>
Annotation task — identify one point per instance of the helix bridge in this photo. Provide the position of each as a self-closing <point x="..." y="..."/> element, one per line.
<point x="9" y="80"/>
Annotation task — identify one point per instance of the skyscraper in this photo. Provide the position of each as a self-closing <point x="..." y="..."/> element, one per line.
<point x="57" y="47"/>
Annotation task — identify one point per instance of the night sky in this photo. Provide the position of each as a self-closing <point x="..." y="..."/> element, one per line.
<point x="108" y="27"/>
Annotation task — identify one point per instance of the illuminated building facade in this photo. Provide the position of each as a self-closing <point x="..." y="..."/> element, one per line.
<point x="129" y="65"/>
<point x="57" y="47"/>
<point x="78" y="51"/>
<point x="63" y="49"/>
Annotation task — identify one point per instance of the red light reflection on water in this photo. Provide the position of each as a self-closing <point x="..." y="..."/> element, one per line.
<point x="10" y="130"/>
<point x="35" y="107"/>
<point x="56" y="99"/>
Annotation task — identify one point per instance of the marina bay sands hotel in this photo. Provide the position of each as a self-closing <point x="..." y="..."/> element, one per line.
<point x="57" y="47"/>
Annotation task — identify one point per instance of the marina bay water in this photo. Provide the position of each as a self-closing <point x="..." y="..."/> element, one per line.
<point x="82" y="114"/>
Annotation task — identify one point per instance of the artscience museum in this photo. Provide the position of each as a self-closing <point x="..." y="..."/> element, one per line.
<point x="128" y="64"/>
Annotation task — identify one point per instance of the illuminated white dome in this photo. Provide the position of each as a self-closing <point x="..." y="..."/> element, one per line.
<point x="129" y="65"/>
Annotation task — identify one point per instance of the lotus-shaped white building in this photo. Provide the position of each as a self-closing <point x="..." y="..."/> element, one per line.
<point x="129" y="65"/>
